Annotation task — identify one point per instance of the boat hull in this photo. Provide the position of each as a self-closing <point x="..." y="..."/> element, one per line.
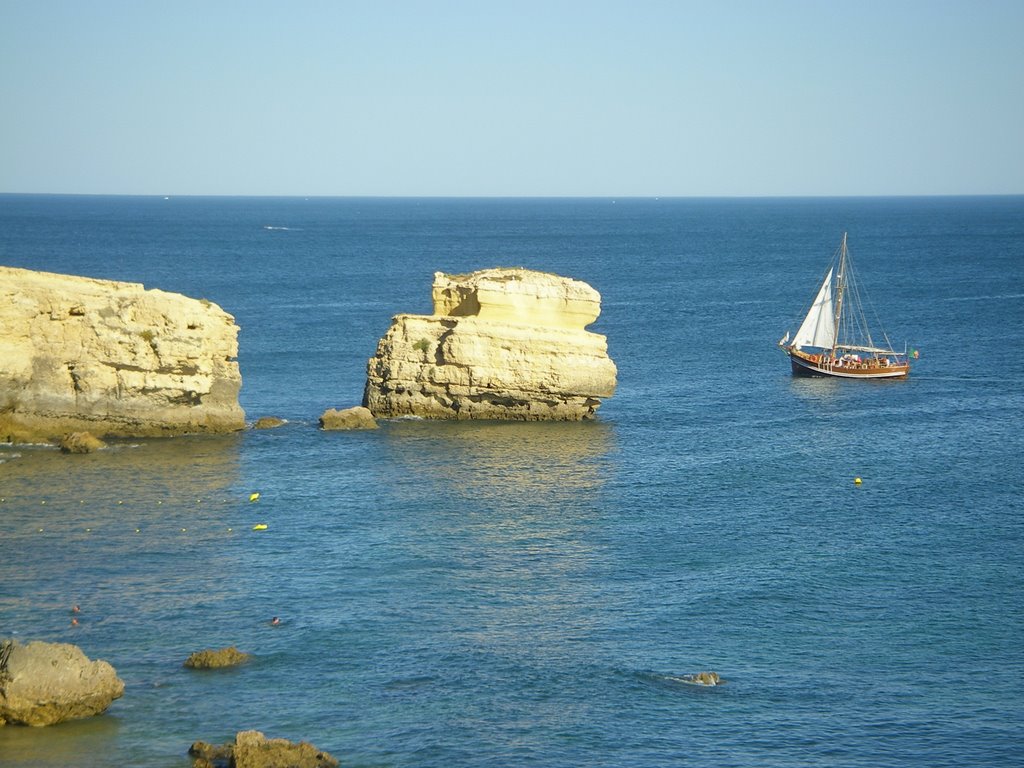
<point x="808" y="366"/>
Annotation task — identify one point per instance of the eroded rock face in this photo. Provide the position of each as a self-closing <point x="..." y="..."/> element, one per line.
<point x="113" y="359"/>
<point x="501" y="344"/>
<point x="48" y="683"/>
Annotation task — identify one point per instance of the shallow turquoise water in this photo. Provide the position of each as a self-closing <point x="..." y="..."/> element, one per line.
<point x="524" y="594"/>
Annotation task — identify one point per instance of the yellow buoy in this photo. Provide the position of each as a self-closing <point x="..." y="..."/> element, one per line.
<point x="254" y="496"/>
<point x="260" y="527"/>
<point x="856" y="481"/>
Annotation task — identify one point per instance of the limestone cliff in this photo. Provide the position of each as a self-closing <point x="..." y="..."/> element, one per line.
<point x="501" y="344"/>
<point x="112" y="358"/>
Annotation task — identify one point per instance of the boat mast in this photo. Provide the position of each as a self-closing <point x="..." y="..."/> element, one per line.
<point x="840" y="288"/>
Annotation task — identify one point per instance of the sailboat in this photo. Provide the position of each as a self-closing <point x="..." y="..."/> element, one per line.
<point x="834" y="338"/>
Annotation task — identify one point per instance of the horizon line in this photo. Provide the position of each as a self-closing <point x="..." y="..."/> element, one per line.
<point x="169" y="196"/>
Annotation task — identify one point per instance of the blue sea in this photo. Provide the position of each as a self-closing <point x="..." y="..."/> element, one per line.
<point x="503" y="594"/>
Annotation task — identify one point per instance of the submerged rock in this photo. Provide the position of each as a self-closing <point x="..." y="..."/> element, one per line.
<point x="81" y="442"/>
<point x="47" y="683"/>
<point x="113" y="359"/>
<point x="703" y="678"/>
<point x="268" y="422"/>
<point x="214" y="659"/>
<point x="252" y="749"/>
<point x="349" y="418"/>
<point x="501" y="344"/>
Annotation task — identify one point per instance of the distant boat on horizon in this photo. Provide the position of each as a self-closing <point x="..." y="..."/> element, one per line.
<point x="834" y="338"/>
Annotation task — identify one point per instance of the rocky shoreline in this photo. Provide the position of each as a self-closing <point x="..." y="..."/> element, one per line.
<point x="44" y="684"/>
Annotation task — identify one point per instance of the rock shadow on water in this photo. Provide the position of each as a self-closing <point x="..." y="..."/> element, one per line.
<point x="189" y="467"/>
<point x="64" y="744"/>
<point x="499" y="460"/>
<point x="411" y="686"/>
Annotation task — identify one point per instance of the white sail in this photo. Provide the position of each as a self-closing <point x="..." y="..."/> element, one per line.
<point x="819" y="328"/>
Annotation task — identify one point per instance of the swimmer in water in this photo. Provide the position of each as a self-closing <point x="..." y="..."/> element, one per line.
<point x="275" y="621"/>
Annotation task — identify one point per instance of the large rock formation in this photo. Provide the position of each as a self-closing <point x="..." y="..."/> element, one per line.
<point x="501" y="344"/>
<point x="113" y="359"/>
<point x="48" y="683"/>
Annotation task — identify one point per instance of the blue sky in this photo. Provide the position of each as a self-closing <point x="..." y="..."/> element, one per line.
<point x="780" y="97"/>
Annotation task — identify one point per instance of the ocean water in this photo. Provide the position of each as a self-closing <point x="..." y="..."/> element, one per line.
<point x="495" y="594"/>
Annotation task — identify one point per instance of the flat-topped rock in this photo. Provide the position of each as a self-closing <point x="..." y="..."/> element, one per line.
<point x="112" y="358"/>
<point x="517" y="296"/>
<point x="500" y="344"/>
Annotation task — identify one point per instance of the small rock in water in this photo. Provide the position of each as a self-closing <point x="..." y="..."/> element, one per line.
<point x="81" y="442"/>
<point x="268" y="422"/>
<point x="252" y="749"/>
<point x="211" y="659"/>
<point x="707" y="678"/>
<point x="206" y="755"/>
<point x="702" y="678"/>
<point x="350" y="418"/>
